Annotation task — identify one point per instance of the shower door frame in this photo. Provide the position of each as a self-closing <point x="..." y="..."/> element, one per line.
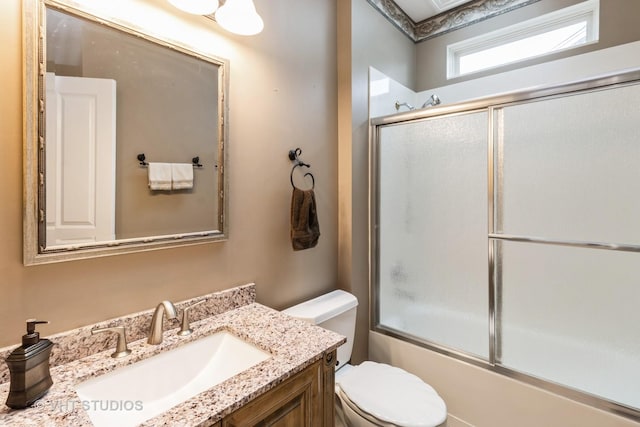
<point x="493" y="106"/>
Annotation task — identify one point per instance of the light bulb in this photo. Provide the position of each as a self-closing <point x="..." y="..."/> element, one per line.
<point x="197" y="7"/>
<point x="239" y="17"/>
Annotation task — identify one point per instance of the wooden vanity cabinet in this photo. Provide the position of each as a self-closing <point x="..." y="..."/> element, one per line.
<point x="304" y="400"/>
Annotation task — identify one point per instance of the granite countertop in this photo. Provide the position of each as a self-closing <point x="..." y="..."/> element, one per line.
<point x="293" y="345"/>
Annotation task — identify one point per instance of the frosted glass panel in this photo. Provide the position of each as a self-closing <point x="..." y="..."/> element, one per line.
<point x="433" y="230"/>
<point x="570" y="315"/>
<point x="572" y="167"/>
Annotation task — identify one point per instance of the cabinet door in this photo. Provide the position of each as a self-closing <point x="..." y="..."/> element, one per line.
<point x="295" y="403"/>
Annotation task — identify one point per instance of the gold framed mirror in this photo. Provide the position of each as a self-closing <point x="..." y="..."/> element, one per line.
<point x="110" y="112"/>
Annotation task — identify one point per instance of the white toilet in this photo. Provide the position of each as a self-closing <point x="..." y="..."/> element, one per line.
<point x="370" y="394"/>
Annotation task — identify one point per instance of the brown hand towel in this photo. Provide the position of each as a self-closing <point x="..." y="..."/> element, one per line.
<point x="305" y="229"/>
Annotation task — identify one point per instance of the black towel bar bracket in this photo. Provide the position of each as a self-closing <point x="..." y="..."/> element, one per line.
<point x="196" y="162"/>
<point x="294" y="155"/>
<point x="142" y="159"/>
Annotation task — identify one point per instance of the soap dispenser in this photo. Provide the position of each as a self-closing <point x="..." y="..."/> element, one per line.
<point x="29" y="368"/>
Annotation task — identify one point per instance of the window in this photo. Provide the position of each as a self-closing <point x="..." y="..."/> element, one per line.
<point x="560" y="30"/>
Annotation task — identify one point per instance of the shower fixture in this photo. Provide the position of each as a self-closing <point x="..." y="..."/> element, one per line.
<point x="433" y="100"/>
<point x="398" y="105"/>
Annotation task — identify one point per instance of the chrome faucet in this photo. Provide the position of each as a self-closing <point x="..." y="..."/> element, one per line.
<point x="155" y="329"/>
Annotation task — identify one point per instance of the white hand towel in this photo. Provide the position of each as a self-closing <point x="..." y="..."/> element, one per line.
<point x="160" y="176"/>
<point x="182" y="176"/>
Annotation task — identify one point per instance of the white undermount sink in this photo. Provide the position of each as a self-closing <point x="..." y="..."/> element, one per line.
<point x="138" y="392"/>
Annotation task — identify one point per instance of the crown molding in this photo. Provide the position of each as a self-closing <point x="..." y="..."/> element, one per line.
<point x="454" y="19"/>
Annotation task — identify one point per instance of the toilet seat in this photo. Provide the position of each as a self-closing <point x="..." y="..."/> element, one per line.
<point x="387" y="395"/>
<point x="347" y="406"/>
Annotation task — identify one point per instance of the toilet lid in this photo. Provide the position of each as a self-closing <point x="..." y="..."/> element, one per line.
<point x="393" y="395"/>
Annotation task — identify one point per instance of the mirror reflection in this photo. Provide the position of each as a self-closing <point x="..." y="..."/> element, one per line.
<point x="115" y="96"/>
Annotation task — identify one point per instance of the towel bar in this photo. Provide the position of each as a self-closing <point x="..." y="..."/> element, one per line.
<point x="142" y="159"/>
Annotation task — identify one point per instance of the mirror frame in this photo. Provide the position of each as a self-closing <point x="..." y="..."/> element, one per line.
<point x="34" y="143"/>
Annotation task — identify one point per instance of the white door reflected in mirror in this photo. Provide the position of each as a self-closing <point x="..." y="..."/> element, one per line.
<point x="80" y="155"/>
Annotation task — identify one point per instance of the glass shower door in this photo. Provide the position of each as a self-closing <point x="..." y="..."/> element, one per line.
<point x="432" y="231"/>
<point x="506" y="233"/>
<point x="569" y="212"/>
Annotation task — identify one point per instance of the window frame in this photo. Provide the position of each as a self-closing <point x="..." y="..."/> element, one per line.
<point x="587" y="11"/>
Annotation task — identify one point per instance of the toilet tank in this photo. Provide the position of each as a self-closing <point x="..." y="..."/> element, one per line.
<point x="335" y="311"/>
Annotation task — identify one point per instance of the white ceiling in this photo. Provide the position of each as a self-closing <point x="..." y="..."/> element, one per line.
<point x="419" y="10"/>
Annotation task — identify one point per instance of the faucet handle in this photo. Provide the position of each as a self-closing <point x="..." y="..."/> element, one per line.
<point x="185" y="328"/>
<point x="121" y="347"/>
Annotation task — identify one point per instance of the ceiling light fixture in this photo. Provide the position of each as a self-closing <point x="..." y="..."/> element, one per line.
<point x="197" y="7"/>
<point x="239" y="17"/>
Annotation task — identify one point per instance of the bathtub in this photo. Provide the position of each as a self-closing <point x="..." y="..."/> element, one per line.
<point x="609" y="373"/>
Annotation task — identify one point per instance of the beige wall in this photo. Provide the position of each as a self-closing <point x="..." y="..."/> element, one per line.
<point x="365" y="39"/>
<point x="618" y="25"/>
<point x="283" y="95"/>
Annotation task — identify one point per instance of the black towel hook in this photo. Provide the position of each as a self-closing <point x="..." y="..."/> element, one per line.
<point x="294" y="155"/>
